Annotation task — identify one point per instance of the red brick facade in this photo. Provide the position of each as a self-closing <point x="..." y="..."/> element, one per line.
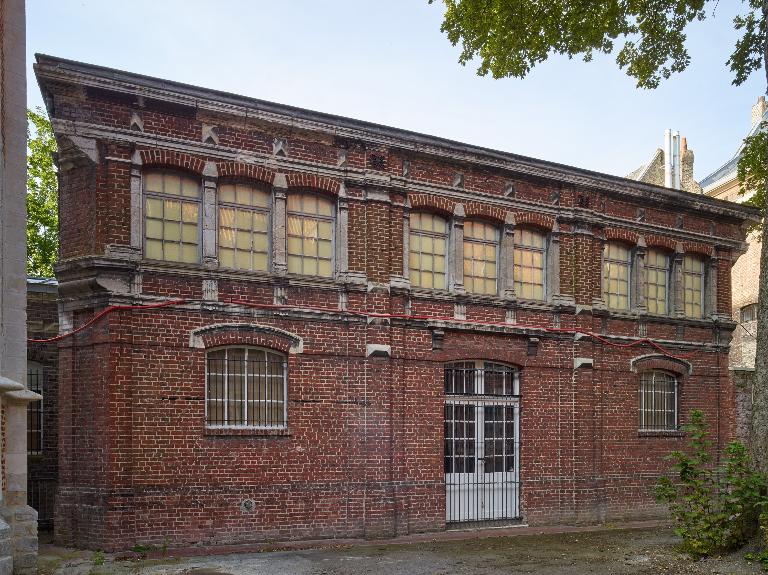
<point x="362" y="454"/>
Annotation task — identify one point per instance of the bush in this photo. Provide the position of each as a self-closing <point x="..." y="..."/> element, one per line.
<point x="716" y="509"/>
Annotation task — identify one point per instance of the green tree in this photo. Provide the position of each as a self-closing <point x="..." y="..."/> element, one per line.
<point x="509" y="37"/>
<point x="42" y="196"/>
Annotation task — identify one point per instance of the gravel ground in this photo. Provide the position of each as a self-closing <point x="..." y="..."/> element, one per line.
<point x="615" y="551"/>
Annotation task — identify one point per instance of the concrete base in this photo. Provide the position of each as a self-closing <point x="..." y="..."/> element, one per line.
<point x="18" y="540"/>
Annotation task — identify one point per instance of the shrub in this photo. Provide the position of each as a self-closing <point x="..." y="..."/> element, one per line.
<point x="715" y="509"/>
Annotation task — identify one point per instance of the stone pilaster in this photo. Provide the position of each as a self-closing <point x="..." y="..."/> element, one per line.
<point x="508" y="257"/>
<point x="137" y="205"/>
<point x="209" y="239"/>
<point x="457" y="250"/>
<point x="279" y="223"/>
<point x="678" y="305"/>
<point x="342" y="228"/>
<point x="639" y="277"/>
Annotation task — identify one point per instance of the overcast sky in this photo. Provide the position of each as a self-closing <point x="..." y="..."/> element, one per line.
<point x="387" y="62"/>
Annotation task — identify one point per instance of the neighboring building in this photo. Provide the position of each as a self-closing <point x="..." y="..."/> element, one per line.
<point x="42" y="415"/>
<point x="723" y="184"/>
<point x="312" y="326"/>
<point x="671" y="167"/>
<point x="18" y="521"/>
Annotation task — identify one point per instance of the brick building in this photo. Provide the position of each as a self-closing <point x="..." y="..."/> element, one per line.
<point x="287" y="324"/>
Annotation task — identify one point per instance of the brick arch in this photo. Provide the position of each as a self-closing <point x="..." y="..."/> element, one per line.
<point x="530" y="219"/>
<point x="172" y="159"/>
<point x="698" y="248"/>
<point x="313" y="182"/>
<point x="479" y="210"/>
<point x="221" y="334"/>
<point x="657" y="241"/>
<point x="657" y="361"/>
<point x="428" y="202"/>
<point x="618" y="234"/>
<point x="241" y="170"/>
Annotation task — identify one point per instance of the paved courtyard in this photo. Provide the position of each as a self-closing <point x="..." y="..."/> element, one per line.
<point x="612" y="551"/>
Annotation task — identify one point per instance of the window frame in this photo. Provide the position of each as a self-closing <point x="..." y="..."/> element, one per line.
<point x="181" y="199"/>
<point x="676" y="401"/>
<point x="668" y="283"/>
<point x="230" y="205"/>
<point x="544" y="251"/>
<point x="497" y="253"/>
<point x="38" y="405"/>
<point x="446" y="237"/>
<point x="224" y="400"/>
<point x="332" y="218"/>
<point x="605" y="261"/>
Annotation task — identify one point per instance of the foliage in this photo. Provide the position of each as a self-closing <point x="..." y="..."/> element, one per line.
<point x="715" y="509"/>
<point x="761" y="556"/>
<point x="510" y="38"/>
<point x="753" y="167"/>
<point x="42" y="196"/>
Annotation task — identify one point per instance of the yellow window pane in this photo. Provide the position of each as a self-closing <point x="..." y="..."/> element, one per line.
<point x="310" y="267"/>
<point x="243" y="259"/>
<point x="426" y="262"/>
<point x="189" y="233"/>
<point x="172" y="252"/>
<point x="172" y="231"/>
<point x="172" y="210"/>
<point x="172" y="184"/>
<point x="190" y="188"/>
<point x="324" y="249"/>
<point x="324" y="268"/>
<point x="226" y="237"/>
<point x="310" y="228"/>
<point x="260" y="198"/>
<point x="439" y="246"/>
<point x="154" y="228"/>
<point x="415" y="243"/>
<point x="154" y="249"/>
<point x="189" y="253"/>
<point x="227" y="257"/>
<point x="189" y="212"/>
<point x="260" y="261"/>
<point x="260" y="242"/>
<point x="154" y="208"/>
<point x="324" y="207"/>
<point x="467" y="266"/>
<point x="243" y="240"/>
<point x="153" y="182"/>
<point x="294" y="264"/>
<point x="294" y="202"/>
<point x="439" y="262"/>
<point x="426" y="244"/>
<point x="439" y="281"/>
<point x="227" y="193"/>
<point x="294" y="246"/>
<point x="413" y="260"/>
<point x="324" y="230"/>
<point x="439" y="225"/>
<point x="310" y="247"/>
<point x="260" y="222"/>
<point x="426" y="280"/>
<point x="243" y="219"/>
<point x="226" y="217"/>
<point x="414" y="276"/>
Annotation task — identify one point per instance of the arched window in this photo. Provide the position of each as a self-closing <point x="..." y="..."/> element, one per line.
<point x="616" y="273"/>
<point x="427" y="250"/>
<point x="35" y="375"/>
<point x="244" y="227"/>
<point x="246" y="387"/>
<point x="171" y="217"/>
<point x="657" y="281"/>
<point x="693" y="285"/>
<point x="310" y="234"/>
<point x="481" y="249"/>
<point x="658" y="401"/>
<point x="529" y="265"/>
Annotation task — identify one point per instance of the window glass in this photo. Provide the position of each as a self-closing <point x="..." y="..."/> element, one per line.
<point x="530" y="257"/>
<point x="693" y="285"/>
<point x="658" y="401"/>
<point x="245" y="387"/>
<point x="243" y="227"/>
<point x="171" y="217"/>
<point x="427" y="250"/>
<point x="657" y="281"/>
<point x="310" y="235"/>
<point x="481" y="246"/>
<point x="35" y="374"/>
<point x="616" y="274"/>
<point x="749" y="313"/>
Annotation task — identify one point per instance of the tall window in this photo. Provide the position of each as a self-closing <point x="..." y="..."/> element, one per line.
<point x="616" y="272"/>
<point x="481" y="246"/>
<point x="748" y="313"/>
<point x="243" y="227"/>
<point x="245" y="387"/>
<point x="530" y="247"/>
<point x="427" y="248"/>
<point x="310" y="235"/>
<point x="658" y="401"/>
<point x="172" y="217"/>
<point x="35" y="374"/>
<point x="693" y="285"/>
<point x="657" y="281"/>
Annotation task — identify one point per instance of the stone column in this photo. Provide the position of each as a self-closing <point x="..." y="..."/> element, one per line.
<point x="639" y="276"/>
<point x="18" y="526"/>
<point x="210" y="179"/>
<point x="137" y="205"/>
<point x="678" y="307"/>
<point x="507" y="259"/>
<point x="710" y="288"/>
<point x="457" y="249"/>
<point x="279" y="223"/>
<point x="552" y="278"/>
<point x="342" y="226"/>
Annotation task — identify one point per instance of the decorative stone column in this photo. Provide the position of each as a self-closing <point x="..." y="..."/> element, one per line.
<point x="598" y="302"/>
<point x="710" y="289"/>
<point x="210" y="179"/>
<point x="552" y="277"/>
<point x="639" y="276"/>
<point x="508" y="257"/>
<point x="677" y="281"/>
<point x="457" y="249"/>
<point x="279" y="223"/>
<point x="137" y="205"/>
<point x="342" y="227"/>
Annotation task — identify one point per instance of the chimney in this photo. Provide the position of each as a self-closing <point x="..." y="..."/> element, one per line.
<point x="672" y="172"/>
<point x="758" y="110"/>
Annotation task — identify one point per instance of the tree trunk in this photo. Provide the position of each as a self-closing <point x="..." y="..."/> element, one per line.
<point x="758" y="436"/>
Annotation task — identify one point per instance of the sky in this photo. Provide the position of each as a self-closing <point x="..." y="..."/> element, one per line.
<point x="388" y="63"/>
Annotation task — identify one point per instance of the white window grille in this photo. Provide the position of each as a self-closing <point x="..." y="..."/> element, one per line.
<point x="658" y="401"/>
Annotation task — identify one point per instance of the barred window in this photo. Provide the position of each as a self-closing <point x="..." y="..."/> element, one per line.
<point x="245" y="387"/>
<point x="35" y="374"/>
<point x="243" y="227"/>
<point x="310" y="235"/>
<point x="427" y="250"/>
<point x="530" y="256"/>
<point x="172" y="217"/>
<point x="657" y="282"/>
<point x="693" y="285"/>
<point x="616" y="272"/>
<point x="481" y="246"/>
<point x="748" y="313"/>
<point x="658" y="401"/>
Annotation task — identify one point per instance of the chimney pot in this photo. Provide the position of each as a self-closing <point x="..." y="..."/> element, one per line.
<point x="758" y="110"/>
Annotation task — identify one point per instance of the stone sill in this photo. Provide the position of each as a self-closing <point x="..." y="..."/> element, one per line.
<point x="245" y="432"/>
<point x="660" y="433"/>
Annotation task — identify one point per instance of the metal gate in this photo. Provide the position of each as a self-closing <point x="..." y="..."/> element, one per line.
<point x="482" y="431"/>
